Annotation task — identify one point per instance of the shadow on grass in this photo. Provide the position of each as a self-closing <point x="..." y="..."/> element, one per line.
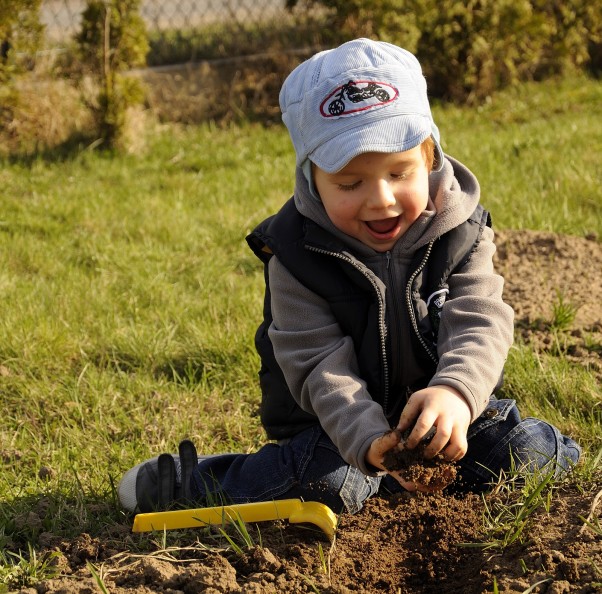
<point x="54" y="514"/>
<point x="189" y="371"/>
<point x="68" y="150"/>
<point x="185" y="369"/>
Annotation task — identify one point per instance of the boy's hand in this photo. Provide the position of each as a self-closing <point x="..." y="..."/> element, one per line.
<point x="439" y="407"/>
<point x="443" y="408"/>
<point x="377" y="450"/>
<point x="379" y="446"/>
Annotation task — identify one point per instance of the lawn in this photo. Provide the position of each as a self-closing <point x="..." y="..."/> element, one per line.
<point x="129" y="298"/>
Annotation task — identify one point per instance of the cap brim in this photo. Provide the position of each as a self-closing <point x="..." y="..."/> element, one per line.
<point x="390" y="135"/>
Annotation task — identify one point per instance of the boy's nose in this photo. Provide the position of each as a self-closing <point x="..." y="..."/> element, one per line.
<point x="382" y="195"/>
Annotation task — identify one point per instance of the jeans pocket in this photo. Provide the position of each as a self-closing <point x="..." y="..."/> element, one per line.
<point x="497" y="412"/>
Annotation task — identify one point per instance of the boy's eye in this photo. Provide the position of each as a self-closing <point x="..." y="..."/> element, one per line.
<point x="349" y="187"/>
<point x="399" y="176"/>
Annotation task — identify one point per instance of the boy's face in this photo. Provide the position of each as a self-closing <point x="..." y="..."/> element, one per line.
<point x="376" y="196"/>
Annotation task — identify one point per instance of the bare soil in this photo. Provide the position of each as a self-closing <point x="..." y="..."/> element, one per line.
<point x="400" y="544"/>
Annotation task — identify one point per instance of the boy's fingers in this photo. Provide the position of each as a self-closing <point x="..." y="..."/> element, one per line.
<point x="407" y="485"/>
<point x="453" y="453"/>
<point x="457" y="448"/>
<point x="440" y="440"/>
<point x="413" y="487"/>
<point x="388" y="441"/>
<point x="405" y="422"/>
<point x="408" y="414"/>
<point x="380" y="446"/>
<point x="423" y="425"/>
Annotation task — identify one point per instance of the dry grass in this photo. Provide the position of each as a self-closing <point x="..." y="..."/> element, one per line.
<point x="45" y="113"/>
<point x="224" y="90"/>
<point x="48" y="112"/>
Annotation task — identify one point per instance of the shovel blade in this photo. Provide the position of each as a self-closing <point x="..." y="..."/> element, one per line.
<point x="294" y="510"/>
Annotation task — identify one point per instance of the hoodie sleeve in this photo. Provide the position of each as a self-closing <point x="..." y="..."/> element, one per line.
<point x="320" y="367"/>
<point x="476" y="329"/>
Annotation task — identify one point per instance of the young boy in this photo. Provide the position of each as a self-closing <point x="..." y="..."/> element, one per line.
<point x="382" y="308"/>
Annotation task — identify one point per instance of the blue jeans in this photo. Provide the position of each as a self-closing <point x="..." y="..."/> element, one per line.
<point x="309" y="466"/>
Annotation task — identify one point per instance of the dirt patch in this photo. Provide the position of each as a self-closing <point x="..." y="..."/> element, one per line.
<point x="417" y="544"/>
<point x="554" y="282"/>
<point x="420" y="543"/>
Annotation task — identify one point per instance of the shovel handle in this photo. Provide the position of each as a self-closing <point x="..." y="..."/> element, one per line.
<point x="293" y="510"/>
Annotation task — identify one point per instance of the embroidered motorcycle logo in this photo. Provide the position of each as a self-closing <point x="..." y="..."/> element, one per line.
<point x="356" y="96"/>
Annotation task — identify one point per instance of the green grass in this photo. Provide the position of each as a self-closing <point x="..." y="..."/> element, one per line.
<point x="129" y="298"/>
<point x="19" y="570"/>
<point x="551" y="387"/>
<point x="536" y="152"/>
<point x="129" y="307"/>
<point x="507" y="519"/>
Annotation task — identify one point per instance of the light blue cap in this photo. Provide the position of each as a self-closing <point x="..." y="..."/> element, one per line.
<point x="363" y="96"/>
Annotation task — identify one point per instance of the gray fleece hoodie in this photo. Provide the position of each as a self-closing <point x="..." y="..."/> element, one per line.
<point x="319" y="362"/>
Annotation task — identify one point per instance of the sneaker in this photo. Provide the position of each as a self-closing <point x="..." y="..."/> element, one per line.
<point x="161" y="482"/>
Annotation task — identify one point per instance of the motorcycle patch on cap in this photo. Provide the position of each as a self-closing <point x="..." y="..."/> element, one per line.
<point x="356" y="96"/>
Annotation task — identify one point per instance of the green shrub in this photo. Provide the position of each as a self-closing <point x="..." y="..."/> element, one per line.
<point x="20" y="32"/>
<point x="113" y="40"/>
<point x="571" y="27"/>
<point x="395" y="21"/>
<point x="469" y="49"/>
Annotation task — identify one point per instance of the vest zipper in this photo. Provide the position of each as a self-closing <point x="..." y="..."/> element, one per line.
<point x="422" y="264"/>
<point x="381" y="317"/>
<point x="395" y="326"/>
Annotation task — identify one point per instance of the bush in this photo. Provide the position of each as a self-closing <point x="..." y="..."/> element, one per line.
<point x="395" y="21"/>
<point x="112" y="40"/>
<point x="20" y="31"/>
<point x="573" y="25"/>
<point x="470" y="49"/>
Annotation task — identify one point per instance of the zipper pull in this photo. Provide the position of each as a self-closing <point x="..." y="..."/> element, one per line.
<point x="388" y="259"/>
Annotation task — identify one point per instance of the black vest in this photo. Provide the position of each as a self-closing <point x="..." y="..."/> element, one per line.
<point x="322" y="263"/>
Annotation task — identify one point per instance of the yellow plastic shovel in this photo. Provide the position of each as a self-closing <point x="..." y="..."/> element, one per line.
<point x="293" y="510"/>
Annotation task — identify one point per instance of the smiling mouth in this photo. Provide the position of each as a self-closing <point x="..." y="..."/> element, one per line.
<point x="383" y="228"/>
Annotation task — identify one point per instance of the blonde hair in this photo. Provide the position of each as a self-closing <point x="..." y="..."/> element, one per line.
<point x="428" y="151"/>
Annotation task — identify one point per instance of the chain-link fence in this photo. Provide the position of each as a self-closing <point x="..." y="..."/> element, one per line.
<point x="210" y="59"/>
<point x="182" y="30"/>
<point x="62" y="17"/>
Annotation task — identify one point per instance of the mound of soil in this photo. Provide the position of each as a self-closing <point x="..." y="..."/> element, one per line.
<point x="415" y="543"/>
<point x="545" y="272"/>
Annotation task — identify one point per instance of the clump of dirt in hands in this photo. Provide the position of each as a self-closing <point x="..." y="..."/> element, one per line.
<point x="432" y="474"/>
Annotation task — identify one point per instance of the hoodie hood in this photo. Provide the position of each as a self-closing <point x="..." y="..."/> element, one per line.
<point x="454" y="194"/>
